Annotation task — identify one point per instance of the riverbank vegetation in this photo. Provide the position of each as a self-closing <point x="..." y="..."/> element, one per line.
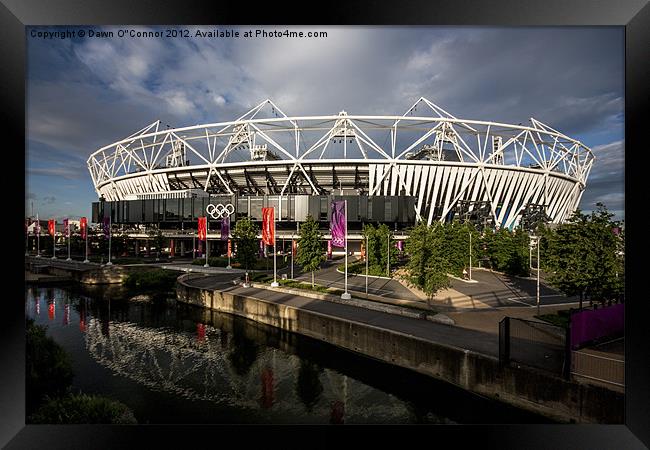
<point x="48" y="380"/>
<point x="158" y="280"/>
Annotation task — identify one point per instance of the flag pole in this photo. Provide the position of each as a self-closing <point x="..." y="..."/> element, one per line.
<point x="86" y="231"/>
<point x="207" y="247"/>
<point x="69" y="238"/>
<point x="54" y="241"/>
<point x="110" y="235"/>
<point x="292" y="258"/>
<point x="38" y="237"/>
<point x="346" y="295"/>
<point x="275" y="255"/>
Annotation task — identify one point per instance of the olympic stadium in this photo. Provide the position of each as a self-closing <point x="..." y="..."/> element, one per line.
<point x="423" y="165"/>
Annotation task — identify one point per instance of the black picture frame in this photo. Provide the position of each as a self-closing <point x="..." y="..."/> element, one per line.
<point x="631" y="14"/>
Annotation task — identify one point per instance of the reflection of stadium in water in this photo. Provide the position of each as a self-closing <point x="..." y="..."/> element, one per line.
<point x="207" y="366"/>
<point x="213" y="365"/>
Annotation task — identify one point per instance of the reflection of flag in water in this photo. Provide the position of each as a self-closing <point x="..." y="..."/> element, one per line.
<point x="50" y="310"/>
<point x="200" y="332"/>
<point x="338" y="412"/>
<point x="82" y="319"/>
<point x="66" y="314"/>
<point x="267" y="387"/>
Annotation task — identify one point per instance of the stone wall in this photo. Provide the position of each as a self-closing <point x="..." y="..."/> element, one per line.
<point x="523" y="387"/>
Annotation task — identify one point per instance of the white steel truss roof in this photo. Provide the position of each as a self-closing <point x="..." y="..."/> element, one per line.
<point x="426" y="152"/>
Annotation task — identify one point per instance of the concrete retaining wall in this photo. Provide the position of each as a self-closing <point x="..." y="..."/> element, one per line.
<point x="522" y="387"/>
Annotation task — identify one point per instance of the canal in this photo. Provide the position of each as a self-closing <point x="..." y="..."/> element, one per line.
<point x="176" y="363"/>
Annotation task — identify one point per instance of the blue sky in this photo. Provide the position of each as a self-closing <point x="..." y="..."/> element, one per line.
<point x="84" y="93"/>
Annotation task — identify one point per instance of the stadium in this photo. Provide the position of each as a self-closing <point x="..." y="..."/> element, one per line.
<point x="424" y="165"/>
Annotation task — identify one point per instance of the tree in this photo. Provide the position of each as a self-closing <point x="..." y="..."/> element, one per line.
<point x="48" y="370"/>
<point x="585" y="257"/>
<point x="310" y="253"/>
<point x="245" y="236"/>
<point x="159" y="241"/>
<point x="427" y="267"/>
<point x="380" y="242"/>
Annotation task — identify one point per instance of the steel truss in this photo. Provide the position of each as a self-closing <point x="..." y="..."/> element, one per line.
<point x="430" y="154"/>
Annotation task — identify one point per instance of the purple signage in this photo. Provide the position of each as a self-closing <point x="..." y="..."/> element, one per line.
<point x="589" y="325"/>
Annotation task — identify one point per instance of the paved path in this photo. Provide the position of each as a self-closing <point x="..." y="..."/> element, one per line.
<point x="474" y="340"/>
<point x="498" y="290"/>
<point x="328" y="276"/>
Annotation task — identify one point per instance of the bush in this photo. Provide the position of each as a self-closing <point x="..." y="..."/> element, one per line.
<point x="259" y="264"/>
<point x="48" y="367"/>
<point x="82" y="409"/>
<point x="157" y="279"/>
<point x="359" y="268"/>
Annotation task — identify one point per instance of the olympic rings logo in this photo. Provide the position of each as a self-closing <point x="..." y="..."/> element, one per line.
<point x="220" y="211"/>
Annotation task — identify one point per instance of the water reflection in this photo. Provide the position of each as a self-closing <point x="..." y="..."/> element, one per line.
<point x="241" y="371"/>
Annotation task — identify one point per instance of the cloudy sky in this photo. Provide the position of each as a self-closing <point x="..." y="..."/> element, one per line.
<point x="84" y="93"/>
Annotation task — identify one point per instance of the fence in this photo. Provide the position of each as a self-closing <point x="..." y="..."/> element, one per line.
<point x="534" y="344"/>
<point x="597" y="367"/>
<point x="549" y="347"/>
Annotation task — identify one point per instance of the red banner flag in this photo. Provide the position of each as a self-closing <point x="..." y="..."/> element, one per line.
<point x="268" y="226"/>
<point x="51" y="226"/>
<point x="229" y="249"/>
<point x="83" y="224"/>
<point x="202" y="228"/>
<point x="294" y="248"/>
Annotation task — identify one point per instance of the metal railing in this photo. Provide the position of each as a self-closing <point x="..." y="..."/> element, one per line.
<point x="596" y="367"/>
<point x="536" y="344"/>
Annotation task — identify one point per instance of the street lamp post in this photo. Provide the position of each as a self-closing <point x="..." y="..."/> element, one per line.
<point x="538" y="240"/>
<point x="366" y="255"/>
<point x="470" y="255"/>
<point x="388" y="261"/>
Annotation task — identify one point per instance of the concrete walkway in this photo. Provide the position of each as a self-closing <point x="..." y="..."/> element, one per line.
<point x="465" y="338"/>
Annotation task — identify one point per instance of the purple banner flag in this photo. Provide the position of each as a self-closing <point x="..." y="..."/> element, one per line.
<point x="107" y="226"/>
<point x="66" y="227"/>
<point x="338" y="227"/>
<point x="225" y="228"/>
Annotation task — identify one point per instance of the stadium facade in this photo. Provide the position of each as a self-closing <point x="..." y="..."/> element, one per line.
<point x="425" y="165"/>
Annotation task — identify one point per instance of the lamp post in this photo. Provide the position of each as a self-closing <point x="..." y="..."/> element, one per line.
<point x="366" y="255"/>
<point x="275" y="253"/>
<point x="538" y="238"/>
<point x="470" y="255"/>
<point x="388" y="261"/>
<point x="207" y="246"/>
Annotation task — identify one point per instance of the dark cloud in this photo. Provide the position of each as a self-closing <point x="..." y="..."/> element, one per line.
<point x="49" y="199"/>
<point x="88" y="94"/>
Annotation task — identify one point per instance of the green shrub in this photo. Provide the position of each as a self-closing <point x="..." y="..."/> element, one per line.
<point x="48" y="367"/>
<point x="81" y="409"/>
<point x="157" y="279"/>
